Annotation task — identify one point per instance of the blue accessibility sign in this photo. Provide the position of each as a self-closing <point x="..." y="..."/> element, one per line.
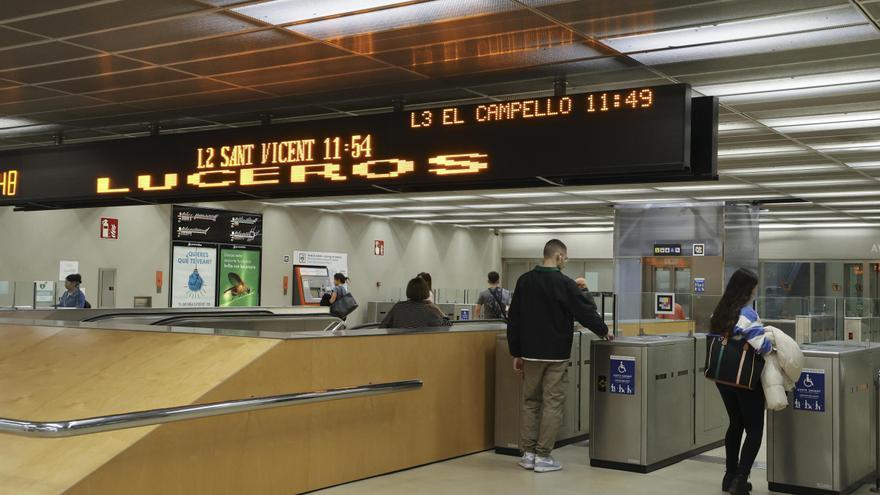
<point x="809" y="391"/>
<point x="623" y="375"/>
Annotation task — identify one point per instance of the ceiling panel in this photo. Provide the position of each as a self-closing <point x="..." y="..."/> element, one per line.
<point x="24" y="93"/>
<point x="139" y="77"/>
<point x="42" y="53"/>
<point x="176" y="88"/>
<point x="16" y="10"/>
<point x="340" y="82"/>
<point x="444" y="32"/>
<point x="217" y="47"/>
<point x="10" y="37"/>
<point x="174" y="30"/>
<point x="295" y="72"/>
<point x="101" y="66"/>
<point x="203" y="99"/>
<point x="262" y="59"/>
<point x="58" y="104"/>
<point x="104" y="16"/>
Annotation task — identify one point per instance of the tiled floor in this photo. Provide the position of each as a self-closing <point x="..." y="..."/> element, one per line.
<point x="488" y="473"/>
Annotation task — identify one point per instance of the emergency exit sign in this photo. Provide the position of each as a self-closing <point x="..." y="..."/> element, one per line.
<point x="109" y="228"/>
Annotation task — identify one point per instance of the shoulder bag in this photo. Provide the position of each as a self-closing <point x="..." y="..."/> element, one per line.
<point x="733" y="362"/>
<point x="343" y="306"/>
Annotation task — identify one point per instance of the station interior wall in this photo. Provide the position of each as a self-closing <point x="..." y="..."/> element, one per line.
<point x="35" y="242"/>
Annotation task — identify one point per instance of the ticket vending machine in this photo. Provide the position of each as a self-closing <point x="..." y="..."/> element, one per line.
<point x="310" y="282"/>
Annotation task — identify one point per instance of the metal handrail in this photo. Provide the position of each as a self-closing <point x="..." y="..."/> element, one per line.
<point x="75" y="427"/>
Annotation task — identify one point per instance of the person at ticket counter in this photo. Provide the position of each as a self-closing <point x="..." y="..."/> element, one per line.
<point x="493" y="302"/>
<point x="427" y="278"/>
<point x="416" y="311"/>
<point x="73" y="297"/>
<point x="540" y="331"/>
<point x="735" y="318"/>
<point x="339" y="289"/>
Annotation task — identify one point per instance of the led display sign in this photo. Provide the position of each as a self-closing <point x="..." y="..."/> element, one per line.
<point x="637" y="134"/>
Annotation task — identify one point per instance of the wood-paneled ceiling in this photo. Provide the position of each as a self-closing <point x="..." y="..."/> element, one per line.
<point x="799" y="80"/>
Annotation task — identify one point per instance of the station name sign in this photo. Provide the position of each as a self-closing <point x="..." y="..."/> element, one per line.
<point x="622" y="135"/>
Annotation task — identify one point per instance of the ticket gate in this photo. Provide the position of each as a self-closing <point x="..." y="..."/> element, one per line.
<point x="862" y="329"/>
<point x="508" y="396"/>
<point x="814" y="328"/>
<point x="824" y="442"/>
<point x="710" y="416"/>
<point x="643" y="403"/>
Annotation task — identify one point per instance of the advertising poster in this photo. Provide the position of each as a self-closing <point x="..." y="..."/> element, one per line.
<point x="204" y="225"/>
<point x="194" y="270"/>
<point x="239" y="283"/>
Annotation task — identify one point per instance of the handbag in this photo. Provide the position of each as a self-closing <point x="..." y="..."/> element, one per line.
<point x="344" y="306"/>
<point x="733" y="362"/>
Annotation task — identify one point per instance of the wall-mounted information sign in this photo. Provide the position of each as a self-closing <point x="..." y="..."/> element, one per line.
<point x="635" y="134"/>
<point x="667" y="250"/>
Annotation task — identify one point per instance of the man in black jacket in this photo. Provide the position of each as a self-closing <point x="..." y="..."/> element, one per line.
<point x="540" y="332"/>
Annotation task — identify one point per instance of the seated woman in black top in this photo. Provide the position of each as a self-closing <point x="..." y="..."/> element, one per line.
<point x="416" y="312"/>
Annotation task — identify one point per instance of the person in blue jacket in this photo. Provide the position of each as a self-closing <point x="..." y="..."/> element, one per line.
<point x="73" y="297"/>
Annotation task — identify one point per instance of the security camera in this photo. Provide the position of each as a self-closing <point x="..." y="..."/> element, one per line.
<point x="496" y="231"/>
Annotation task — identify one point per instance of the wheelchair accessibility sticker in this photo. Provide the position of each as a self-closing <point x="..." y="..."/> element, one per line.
<point x="623" y="375"/>
<point x="809" y="391"/>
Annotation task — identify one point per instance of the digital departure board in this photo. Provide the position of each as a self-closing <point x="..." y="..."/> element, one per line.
<point x="625" y="135"/>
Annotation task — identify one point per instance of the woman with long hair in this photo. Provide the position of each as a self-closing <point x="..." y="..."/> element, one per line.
<point x="734" y="318"/>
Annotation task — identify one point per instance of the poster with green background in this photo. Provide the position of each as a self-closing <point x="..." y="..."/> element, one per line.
<point x="239" y="282"/>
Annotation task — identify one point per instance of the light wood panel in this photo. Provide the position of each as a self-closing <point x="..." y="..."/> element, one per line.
<point x="302" y="448"/>
<point x="51" y="373"/>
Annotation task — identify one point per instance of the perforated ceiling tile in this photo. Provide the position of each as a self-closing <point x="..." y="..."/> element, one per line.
<point x="186" y="102"/>
<point x="217" y="47"/>
<point x="176" y="88"/>
<point x="496" y="24"/>
<point x="24" y="93"/>
<point x="295" y="72"/>
<point x="359" y="81"/>
<point x="17" y="10"/>
<point x="267" y="58"/>
<point x="169" y="31"/>
<point x="43" y="53"/>
<point x="10" y="38"/>
<point x="57" y="104"/>
<point x="95" y="111"/>
<point x="102" y="65"/>
<point x="104" y="16"/>
<point x="138" y="77"/>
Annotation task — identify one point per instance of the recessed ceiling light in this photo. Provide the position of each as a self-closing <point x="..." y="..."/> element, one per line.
<point x="814" y="183"/>
<point x="457" y="220"/>
<point x="410" y="14"/>
<point x="735" y="197"/>
<point x="873" y="210"/>
<point x="288" y="11"/>
<point x="863" y="164"/>
<point x="737" y="126"/>
<point x="790" y="213"/>
<point x="572" y="203"/>
<point x="788" y="83"/>
<point x="611" y="192"/>
<point x="411" y="215"/>
<point x="839" y="194"/>
<point x="444" y="198"/>
<point x="852" y="203"/>
<point x="830" y="225"/>
<point x="493" y="206"/>
<point x="761" y="150"/>
<point x="428" y="208"/>
<point x="367" y="210"/>
<point x="777" y="170"/>
<point x="472" y="214"/>
<point x="377" y="201"/>
<point x="651" y="200"/>
<point x="515" y="195"/>
<point x="854" y="145"/>
<point x="813" y="219"/>
<point x="542" y="212"/>
<point x="713" y="187"/>
<point x="562" y="230"/>
<point x="321" y="202"/>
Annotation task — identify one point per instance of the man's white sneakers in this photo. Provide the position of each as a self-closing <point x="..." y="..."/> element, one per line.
<point x="546" y="464"/>
<point x="527" y="461"/>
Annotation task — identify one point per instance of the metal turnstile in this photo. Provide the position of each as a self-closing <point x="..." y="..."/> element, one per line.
<point x="814" y="328"/>
<point x="824" y="442"/>
<point x="643" y="403"/>
<point x="508" y="397"/>
<point x="376" y="311"/>
<point x="862" y="329"/>
<point x="710" y="416"/>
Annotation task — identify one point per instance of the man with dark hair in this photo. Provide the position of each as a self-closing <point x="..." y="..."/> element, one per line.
<point x="492" y="303"/>
<point x="540" y="331"/>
